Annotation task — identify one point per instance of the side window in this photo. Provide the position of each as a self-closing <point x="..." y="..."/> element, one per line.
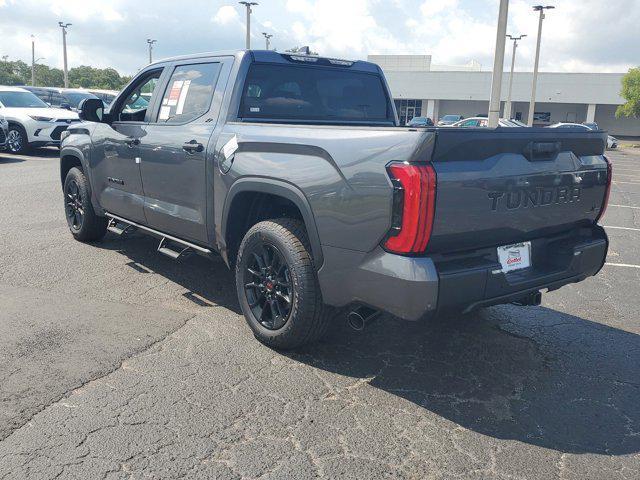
<point x="56" y="99"/>
<point x="134" y="107"/>
<point x="189" y="93"/>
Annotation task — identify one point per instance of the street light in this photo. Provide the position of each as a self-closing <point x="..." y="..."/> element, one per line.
<point x="248" y="5"/>
<point x="151" y="42"/>
<point x="267" y="37"/>
<point x="498" y="65"/>
<point x="64" y="27"/>
<point x="532" y="103"/>
<point x="507" y="106"/>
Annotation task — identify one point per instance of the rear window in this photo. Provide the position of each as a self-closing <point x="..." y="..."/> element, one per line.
<point x="307" y="93"/>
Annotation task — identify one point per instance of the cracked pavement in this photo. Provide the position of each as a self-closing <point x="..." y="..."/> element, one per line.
<point x="118" y="363"/>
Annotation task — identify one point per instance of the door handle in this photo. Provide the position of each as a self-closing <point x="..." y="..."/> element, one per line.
<point x="192" y="147"/>
<point x="132" y="142"/>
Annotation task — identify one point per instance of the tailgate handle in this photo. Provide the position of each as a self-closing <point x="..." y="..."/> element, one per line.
<point x="541" y="150"/>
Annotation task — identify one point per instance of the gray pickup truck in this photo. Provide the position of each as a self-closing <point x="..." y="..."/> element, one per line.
<point x="294" y="170"/>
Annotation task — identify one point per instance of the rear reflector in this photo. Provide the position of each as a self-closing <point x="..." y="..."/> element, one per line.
<point x="605" y="201"/>
<point x="413" y="207"/>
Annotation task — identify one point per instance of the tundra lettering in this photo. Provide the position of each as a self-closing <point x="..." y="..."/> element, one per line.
<point x="293" y="169"/>
<point x="539" y="197"/>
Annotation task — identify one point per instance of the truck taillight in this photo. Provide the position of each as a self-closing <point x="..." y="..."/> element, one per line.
<point x="414" y="198"/>
<point x="605" y="202"/>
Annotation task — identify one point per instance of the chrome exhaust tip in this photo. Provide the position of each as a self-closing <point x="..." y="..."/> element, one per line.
<point x="360" y="317"/>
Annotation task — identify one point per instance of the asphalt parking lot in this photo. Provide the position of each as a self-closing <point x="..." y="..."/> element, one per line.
<point x="117" y="363"/>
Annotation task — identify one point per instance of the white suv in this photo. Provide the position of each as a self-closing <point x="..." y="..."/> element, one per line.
<point x="32" y="123"/>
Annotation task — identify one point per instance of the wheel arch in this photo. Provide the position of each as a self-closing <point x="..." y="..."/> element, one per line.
<point x="244" y="204"/>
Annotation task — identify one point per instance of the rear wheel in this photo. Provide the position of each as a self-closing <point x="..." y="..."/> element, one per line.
<point x="17" y="140"/>
<point x="277" y="285"/>
<point x="83" y="222"/>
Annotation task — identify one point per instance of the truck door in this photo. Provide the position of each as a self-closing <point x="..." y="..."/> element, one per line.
<point x="116" y="153"/>
<point x="177" y="162"/>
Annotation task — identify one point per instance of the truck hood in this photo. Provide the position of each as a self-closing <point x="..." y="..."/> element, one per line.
<point x="56" y="113"/>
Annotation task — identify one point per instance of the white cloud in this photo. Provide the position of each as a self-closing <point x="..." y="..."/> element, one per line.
<point x="226" y="15"/>
<point x="83" y="10"/>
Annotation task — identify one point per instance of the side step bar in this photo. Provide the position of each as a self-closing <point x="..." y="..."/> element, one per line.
<point x="165" y="247"/>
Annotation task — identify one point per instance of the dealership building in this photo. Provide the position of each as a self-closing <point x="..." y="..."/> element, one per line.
<point x="420" y="88"/>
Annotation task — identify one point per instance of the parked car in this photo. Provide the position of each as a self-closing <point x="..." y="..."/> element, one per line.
<point x="4" y="131"/>
<point x="32" y="123"/>
<point x="293" y="169"/>
<point x="420" y="122"/>
<point x="449" y="120"/>
<point x="483" y="122"/>
<point x="612" y="142"/>
<point x="67" y="98"/>
<point x="106" y="96"/>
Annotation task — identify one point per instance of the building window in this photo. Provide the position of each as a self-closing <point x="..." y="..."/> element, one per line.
<point x="407" y="109"/>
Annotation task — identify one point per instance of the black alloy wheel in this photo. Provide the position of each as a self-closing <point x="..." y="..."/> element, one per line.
<point x="73" y="205"/>
<point x="268" y="286"/>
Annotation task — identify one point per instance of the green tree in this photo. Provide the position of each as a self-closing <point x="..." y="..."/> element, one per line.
<point x="631" y="93"/>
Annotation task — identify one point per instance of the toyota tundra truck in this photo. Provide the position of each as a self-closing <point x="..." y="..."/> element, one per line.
<point x="294" y="169"/>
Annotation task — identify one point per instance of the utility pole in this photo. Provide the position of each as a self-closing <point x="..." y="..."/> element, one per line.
<point x="150" y="41"/>
<point x="507" y="106"/>
<point x="498" y="65"/>
<point x="33" y="61"/>
<point x="248" y="5"/>
<point x="64" y="27"/>
<point x="532" y="103"/>
<point x="267" y="37"/>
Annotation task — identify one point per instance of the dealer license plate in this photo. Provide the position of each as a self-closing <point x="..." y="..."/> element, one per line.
<point x="515" y="257"/>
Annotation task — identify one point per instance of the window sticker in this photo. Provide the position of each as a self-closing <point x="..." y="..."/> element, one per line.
<point x="183" y="96"/>
<point x="164" y="112"/>
<point x="174" y="93"/>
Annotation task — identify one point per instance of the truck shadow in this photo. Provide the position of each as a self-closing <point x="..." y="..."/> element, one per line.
<point x="533" y="374"/>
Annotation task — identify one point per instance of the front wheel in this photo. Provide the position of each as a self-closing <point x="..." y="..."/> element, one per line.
<point x="17" y="140"/>
<point x="277" y="285"/>
<point x="83" y="222"/>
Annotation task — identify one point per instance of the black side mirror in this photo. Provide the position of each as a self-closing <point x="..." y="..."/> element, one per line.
<point x="66" y="106"/>
<point x="91" y="110"/>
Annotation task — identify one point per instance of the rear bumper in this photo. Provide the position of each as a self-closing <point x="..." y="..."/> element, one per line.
<point x="411" y="287"/>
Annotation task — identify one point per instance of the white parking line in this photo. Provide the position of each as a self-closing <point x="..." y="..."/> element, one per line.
<point x="622" y="265"/>
<point x="629" y="183"/>
<point x="623" y="228"/>
<point x="623" y="206"/>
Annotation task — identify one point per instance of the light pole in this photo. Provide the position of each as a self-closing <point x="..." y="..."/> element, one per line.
<point x="507" y="106"/>
<point x="532" y="103"/>
<point x="151" y="41"/>
<point x="248" y="5"/>
<point x="498" y="65"/>
<point x="267" y="37"/>
<point x="33" y="61"/>
<point x="64" y="27"/>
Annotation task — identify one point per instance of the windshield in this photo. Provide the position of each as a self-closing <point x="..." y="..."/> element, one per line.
<point x="418" y="120"/>
<point x="451" y="118"/>
<point x="74" y="98"/>
<point x="21" y="100"/>
<point x="309" y="93"/>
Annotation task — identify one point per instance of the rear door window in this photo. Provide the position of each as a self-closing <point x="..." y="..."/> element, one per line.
<point x="308" y="93"/>
<point x="189" y="93"/>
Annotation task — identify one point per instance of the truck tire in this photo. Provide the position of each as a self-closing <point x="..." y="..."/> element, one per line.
<point x="84" y="224"/>
<point x="277" y="285"/>
<point x="17" y="140"/>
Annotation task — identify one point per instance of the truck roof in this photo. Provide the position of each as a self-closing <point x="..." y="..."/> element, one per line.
<point x="270" y="56"/>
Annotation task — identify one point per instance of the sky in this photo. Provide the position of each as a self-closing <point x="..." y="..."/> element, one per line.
<point x="578" y="35"/>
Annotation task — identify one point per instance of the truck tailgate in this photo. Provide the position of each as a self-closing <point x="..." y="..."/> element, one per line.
<point x="497" y="187"/>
